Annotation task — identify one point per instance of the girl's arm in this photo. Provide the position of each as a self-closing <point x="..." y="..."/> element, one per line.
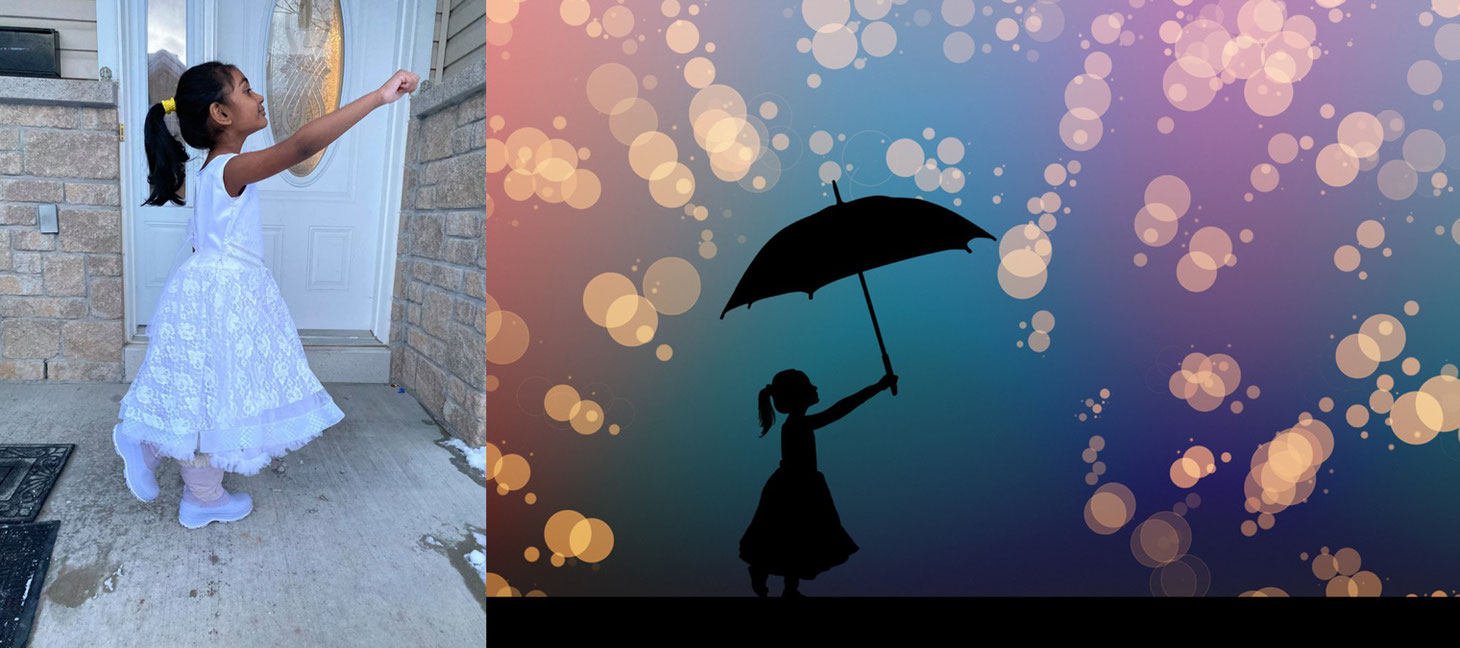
<point x="846" y="405"/>
<point x="251" y="167"/>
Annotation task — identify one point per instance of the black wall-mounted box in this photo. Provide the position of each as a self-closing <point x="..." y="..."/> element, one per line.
<point x="30" y="51"/>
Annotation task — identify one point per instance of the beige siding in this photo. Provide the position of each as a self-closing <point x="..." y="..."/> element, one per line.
<point x="465" y="36"/>
<point x="436" y="37"/>
<point x="465" y="12"/>
<point x="74" y="19"/>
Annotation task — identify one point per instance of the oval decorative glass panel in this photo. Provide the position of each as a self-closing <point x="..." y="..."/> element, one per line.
<point x="306" y="53"/>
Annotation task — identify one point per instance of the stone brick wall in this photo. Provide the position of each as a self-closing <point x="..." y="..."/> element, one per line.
<point x="60" y="294"/>
<point x="438" y="313"/>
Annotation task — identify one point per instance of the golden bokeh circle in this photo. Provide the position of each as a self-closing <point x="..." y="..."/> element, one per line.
<point x="1416" y="418"/>
<point x="1265" y="521"/>
<point x="1184" y="473"/>
<point x="587" y="417"/>
<point x="1347" y="561"/>
<point x="1357" y="355"/>
<point x="1341" y="586"/>
<point x="672" y="285"/>
<point x="513" y="473"/>
<point x="493" y="455"/>
<point x="560" y="401"/>
<point x="602" y="292"/>
<point x="1282" y="148"/>
<point x="1357" y="416"/>
<point x="1110" y="508"/>
<point x="1325" y="566"/>
<point x="511" y="340"/>
<point x="1445" y="390"/>
<point x="558" y="531"/>
<point x="1368" y="583"/>
<point x="1161" y="539"/>
<point x="1360" y="134"/>
<point x="1381" y="401"/>
<point x="682" y="36"/>
<point x="649" y="152"/>
<point x="631" y="118"/>
<point x="632" y="320"/>
<point x="608" y="86"/>
<point x="672" y="184"/>
<point x="591" y="540"/>
<point x="497" y="586"/>
<point x="1387" y="332"/>
<point x="1370" y="234"/>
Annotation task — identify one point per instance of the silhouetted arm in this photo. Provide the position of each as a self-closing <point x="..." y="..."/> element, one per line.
<point x="846" y="405"/>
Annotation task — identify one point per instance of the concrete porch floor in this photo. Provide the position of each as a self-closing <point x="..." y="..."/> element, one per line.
<point x="361" y="544"/>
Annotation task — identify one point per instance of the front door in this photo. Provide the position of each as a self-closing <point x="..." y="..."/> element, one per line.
<point x="329" y="222"/>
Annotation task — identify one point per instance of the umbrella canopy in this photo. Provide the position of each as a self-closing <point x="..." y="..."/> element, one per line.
<point x="849" y="238"/>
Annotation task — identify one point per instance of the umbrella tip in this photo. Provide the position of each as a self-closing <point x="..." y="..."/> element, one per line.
<point x="836" y="191"/>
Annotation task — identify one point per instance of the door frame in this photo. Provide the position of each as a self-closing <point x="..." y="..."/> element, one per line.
<point x="122" y="47"/>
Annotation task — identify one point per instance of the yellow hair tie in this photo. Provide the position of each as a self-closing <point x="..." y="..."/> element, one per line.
<point x="168" y="105"/>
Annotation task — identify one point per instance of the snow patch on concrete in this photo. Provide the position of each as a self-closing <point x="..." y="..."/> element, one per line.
<point x="475" y="457"/>
<point x="478" y="560"/>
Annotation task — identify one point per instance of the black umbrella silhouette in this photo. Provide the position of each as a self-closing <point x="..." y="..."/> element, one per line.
<point x="850" y="238"/>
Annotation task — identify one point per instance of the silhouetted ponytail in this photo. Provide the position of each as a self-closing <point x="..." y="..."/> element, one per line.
<point x="166" y="159"/>
<point x="767" y="413"/>
<point x="198" y="89"/>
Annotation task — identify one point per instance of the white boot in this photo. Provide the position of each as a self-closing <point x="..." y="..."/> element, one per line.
<point x="141" y="478"/>
<point x="222" y="506"/>
<point x="194" y="514"/>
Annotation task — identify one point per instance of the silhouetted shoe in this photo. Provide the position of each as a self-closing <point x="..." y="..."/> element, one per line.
<point x="141" y="479"/>
<point x="758" y="583"/>
<point x="193" y="514"/>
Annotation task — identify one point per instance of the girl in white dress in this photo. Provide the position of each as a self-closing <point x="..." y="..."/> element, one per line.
<point x="225" y="385"/>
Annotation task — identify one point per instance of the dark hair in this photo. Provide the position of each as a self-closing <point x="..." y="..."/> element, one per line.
<point x="779" y="387"/>
<point x="197" y="90"/>
<point x="767" y="415"/>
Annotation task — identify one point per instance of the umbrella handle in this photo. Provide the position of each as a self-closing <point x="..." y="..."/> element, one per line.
<point x="886" y="361"/>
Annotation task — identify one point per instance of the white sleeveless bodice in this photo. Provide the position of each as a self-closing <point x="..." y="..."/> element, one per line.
<point x="223" y="224"/>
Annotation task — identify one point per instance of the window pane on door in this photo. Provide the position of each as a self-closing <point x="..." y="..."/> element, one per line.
<point x="306" y="53"/>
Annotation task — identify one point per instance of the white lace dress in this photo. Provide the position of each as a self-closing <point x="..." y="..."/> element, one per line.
<point x="225" y="373"/>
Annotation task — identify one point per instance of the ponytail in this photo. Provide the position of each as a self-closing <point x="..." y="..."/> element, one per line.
<point x="198" y="88"/>
<point x="166" y="159"/>
<point x="767" y="413"/>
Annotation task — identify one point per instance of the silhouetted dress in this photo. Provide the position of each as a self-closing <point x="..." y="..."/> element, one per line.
<point x="796" y="531"/>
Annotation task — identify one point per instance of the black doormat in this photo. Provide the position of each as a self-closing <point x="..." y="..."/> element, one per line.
<point x="27" y="473"/>
<point x="25" y="555"/>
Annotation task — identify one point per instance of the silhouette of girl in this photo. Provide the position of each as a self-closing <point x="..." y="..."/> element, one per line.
<point x="796" y="531"/>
